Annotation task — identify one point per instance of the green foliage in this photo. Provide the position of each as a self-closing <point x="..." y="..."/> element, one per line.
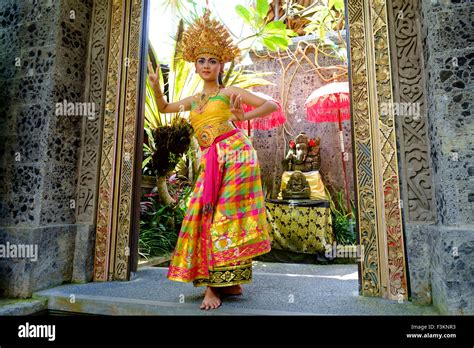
<point x="160" y="223"/>
<point x="273" y="35"/>
<point x="158" y="234"/>
<point x="337" y="4"/>
<point x="246" y="78"/>
<point x="343" y="221"/>
<point x="323" y="17"/>
<point x="262" y="7"/>
<point x="153" y="118"/>
<point x="169" y="135"/>
<point x="186" y="9"/>
<point x="171" y="142"/>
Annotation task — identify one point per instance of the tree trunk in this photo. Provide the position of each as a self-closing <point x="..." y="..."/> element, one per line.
<point x="161" y="185"/>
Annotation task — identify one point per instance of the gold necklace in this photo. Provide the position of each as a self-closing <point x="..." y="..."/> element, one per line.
<point x="204" y="99"/>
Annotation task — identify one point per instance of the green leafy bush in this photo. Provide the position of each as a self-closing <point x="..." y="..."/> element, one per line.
<point x="343" y="221"/>
<point x="160" y="223"/>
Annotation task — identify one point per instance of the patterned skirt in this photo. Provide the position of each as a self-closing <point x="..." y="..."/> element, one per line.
<point x="239" y="230"/>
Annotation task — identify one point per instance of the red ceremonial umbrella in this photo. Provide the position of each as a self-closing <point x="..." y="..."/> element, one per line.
<point x="275" y="119"/>
<point x="331" y="103"/>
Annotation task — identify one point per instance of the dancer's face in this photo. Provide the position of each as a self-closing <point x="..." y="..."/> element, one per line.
<point x="208" y="67"/>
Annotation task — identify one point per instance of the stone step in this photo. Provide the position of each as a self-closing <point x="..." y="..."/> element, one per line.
<point x="103" y="305"/>
<point x="22" y="306"/>
<point x="276" y="289"/>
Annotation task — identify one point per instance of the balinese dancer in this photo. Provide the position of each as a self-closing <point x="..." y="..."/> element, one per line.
<point x="225" y="224"/>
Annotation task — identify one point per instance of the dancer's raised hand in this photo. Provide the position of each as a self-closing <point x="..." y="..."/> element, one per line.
<point x="154" y="78"/>
<point x="236" y="108"/>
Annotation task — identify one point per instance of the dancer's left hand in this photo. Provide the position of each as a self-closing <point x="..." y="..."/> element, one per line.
<point x="236" y="108"/>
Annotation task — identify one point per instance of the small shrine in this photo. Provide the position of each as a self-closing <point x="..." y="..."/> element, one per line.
<point x="300" y="218"/>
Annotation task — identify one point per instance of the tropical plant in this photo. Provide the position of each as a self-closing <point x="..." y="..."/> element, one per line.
<point x="328" y="16"/>
<point x="343" y="222"/>
<point x="167" y="134"/>
<point x="273" y="35"/>
<point x="185" y="9"/>
<point x="323" y="18"/>
<point x="160" y="222"/>
<point x="158" y="235"/>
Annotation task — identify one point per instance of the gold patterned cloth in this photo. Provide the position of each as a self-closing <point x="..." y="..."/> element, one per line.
<point x="314" y="180"/>
<point x="228" y="275"/>
<point x="300" y="229"/>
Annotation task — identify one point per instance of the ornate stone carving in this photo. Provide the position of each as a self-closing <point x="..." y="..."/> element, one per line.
<point x="380" y="224"/>
<point x="92" y="127"/>
<point x="395" y="255"/>
<point x="105" y="223"/>
<point x="118" y="143"/>
<point x="297" y="187"/>
<point x="361" y="124"/>
<point x="130" y="70"/>
<point x="407" y="69"/>
<point x="303" y="154"/>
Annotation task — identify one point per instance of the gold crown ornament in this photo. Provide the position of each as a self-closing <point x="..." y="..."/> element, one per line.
<point x="208" y="36"/>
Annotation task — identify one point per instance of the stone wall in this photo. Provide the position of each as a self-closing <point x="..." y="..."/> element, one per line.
<point x="296" y="83"/>
<point x="449" y="57"/>
<point x="43" y="56"/>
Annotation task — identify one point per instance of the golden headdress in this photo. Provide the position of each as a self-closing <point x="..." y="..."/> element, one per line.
<point x="208" y="36"/>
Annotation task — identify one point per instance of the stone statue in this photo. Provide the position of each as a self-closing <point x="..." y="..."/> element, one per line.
<point x="314" y="158"/>
<point x="303" y="154"/>
<point x="297" y="187"/>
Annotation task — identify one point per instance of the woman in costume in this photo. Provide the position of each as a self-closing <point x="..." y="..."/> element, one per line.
<point x="225" y="224"/>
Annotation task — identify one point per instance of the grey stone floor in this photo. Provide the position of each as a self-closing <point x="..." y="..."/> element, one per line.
<point x="22" y="306"/>
<point x="276" y="289"/>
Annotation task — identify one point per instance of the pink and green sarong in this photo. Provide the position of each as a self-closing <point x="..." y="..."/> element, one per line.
<point x="237" y="230"/>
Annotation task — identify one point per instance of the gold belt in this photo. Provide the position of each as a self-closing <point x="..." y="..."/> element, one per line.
<point x="206" y="135"/>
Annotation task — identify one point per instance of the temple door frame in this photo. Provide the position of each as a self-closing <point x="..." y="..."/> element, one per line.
<point x="382" y="270"/>
<point x="119" y="180"/>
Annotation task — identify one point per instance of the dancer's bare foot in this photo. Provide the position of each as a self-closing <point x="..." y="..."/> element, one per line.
<point x="211" y="299"/>
<point x="232" y="290"/>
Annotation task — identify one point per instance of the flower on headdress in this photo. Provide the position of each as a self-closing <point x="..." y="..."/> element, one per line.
<point x="292" y="144"/>
<point x="312" y="142"/>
